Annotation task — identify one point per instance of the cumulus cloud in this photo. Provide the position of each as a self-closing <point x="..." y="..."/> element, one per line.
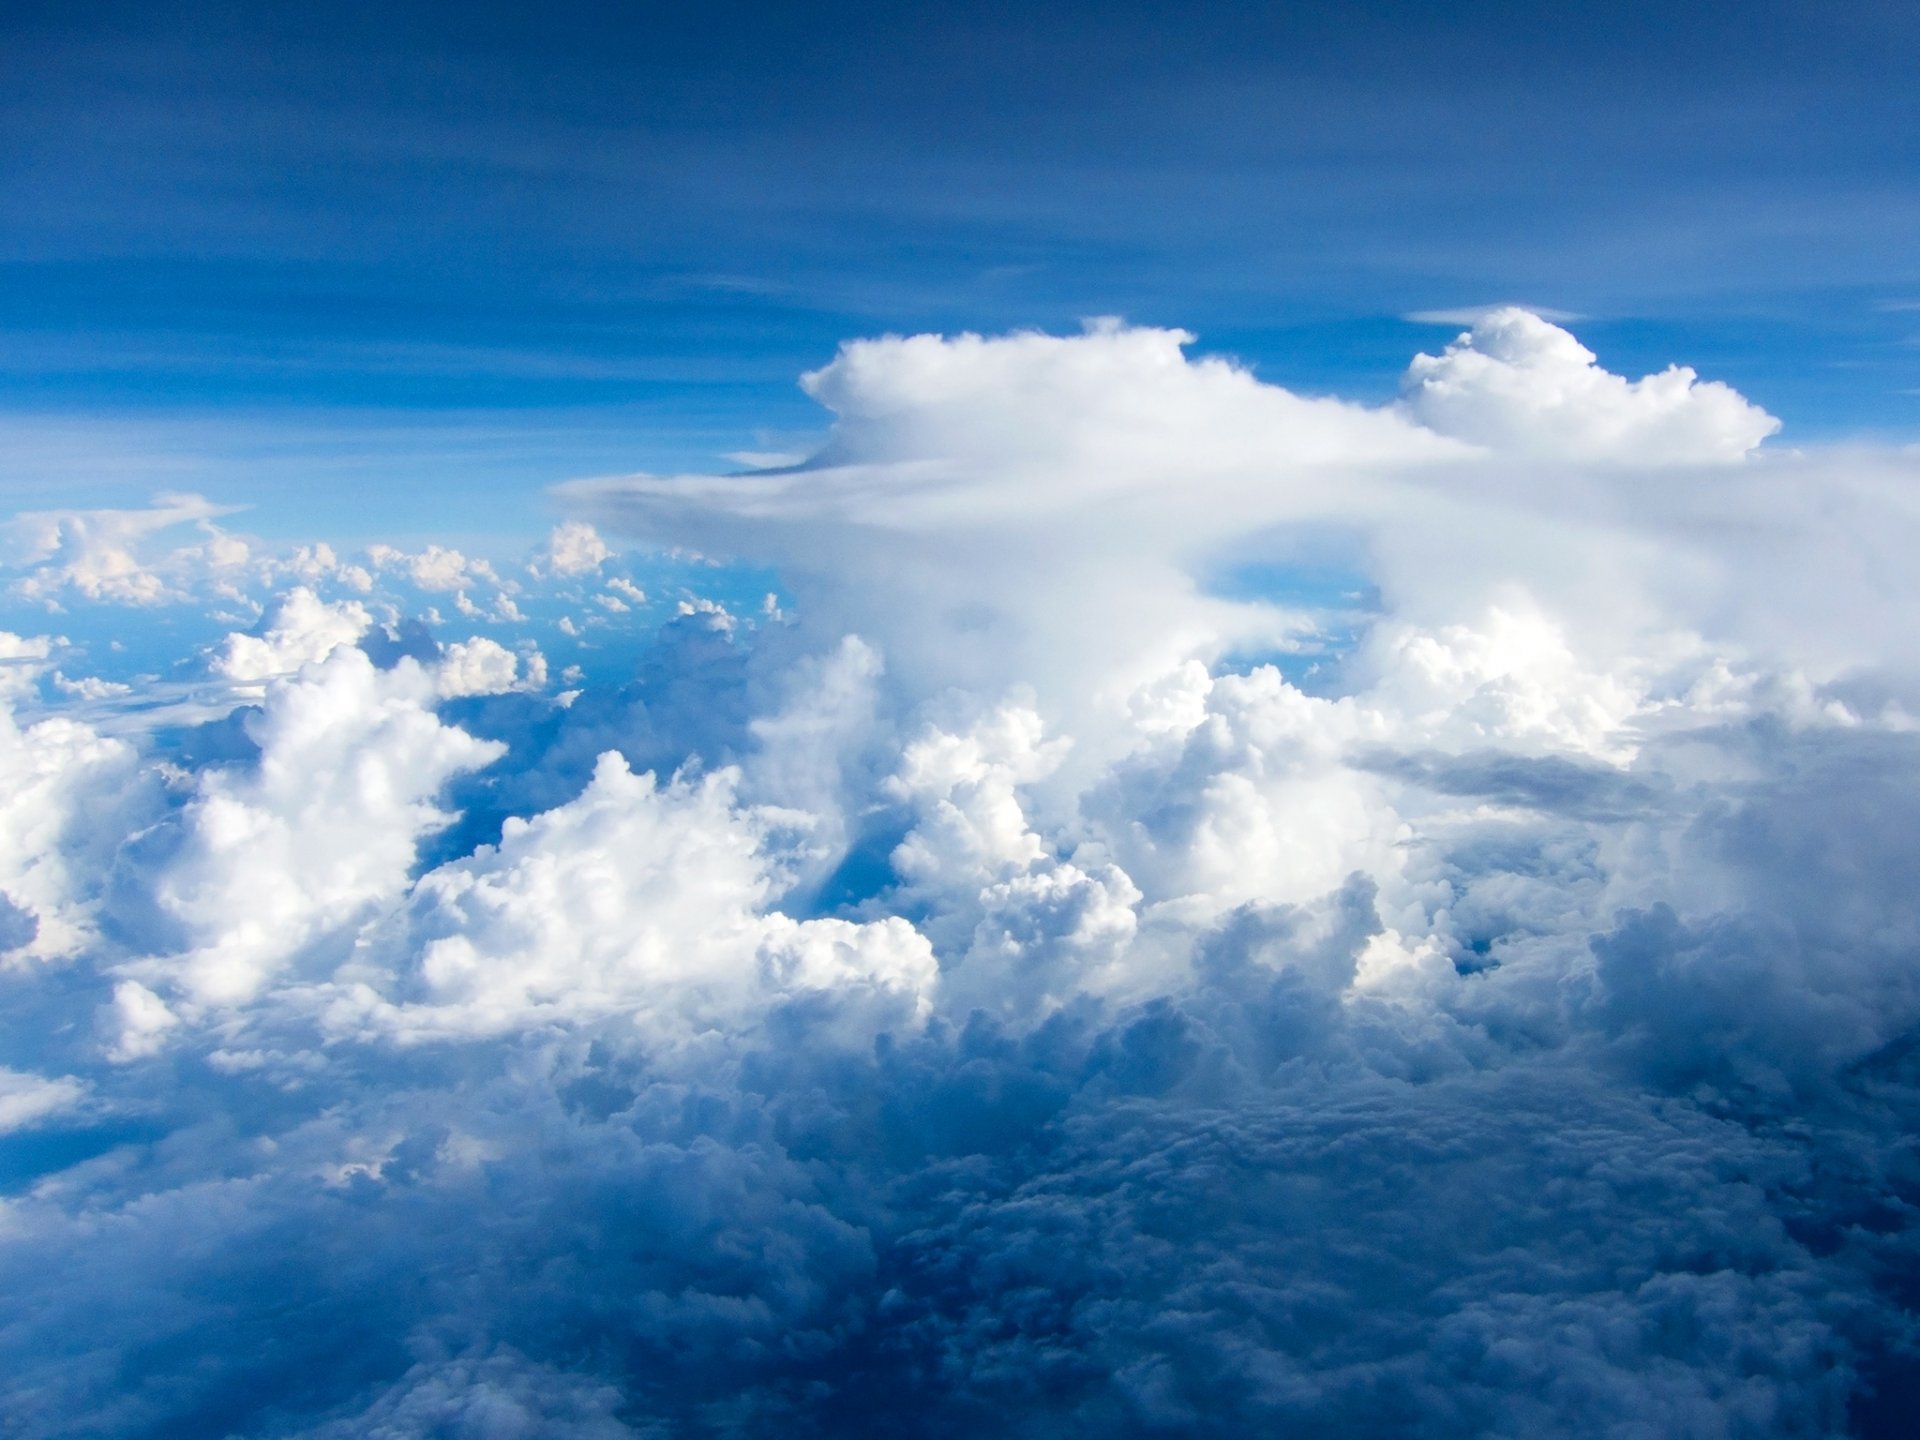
<point x="633" y="899"/>
<point x="995" y="512"/>
<point x="320" y="827"/>
<point x="64" y="791"/>
<point x="574" y="548"/>
<point x="484" y="667"/>
<point x="301" y="630"/>
<point x="110" y="555"/>
<point x="1517" y="383"/>
<point x="1062" y="967"/>
<point x="436" y="569"/>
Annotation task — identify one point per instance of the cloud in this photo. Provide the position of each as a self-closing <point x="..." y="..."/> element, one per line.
<point x="99" y="554"/>
<point x="301" y="630"/>
<point x="1052" y="511"/>
<point x="1065" y="966"/>
<point x="30" y="1099"/>
<point x="65" y="791"/>
<point x="992" y="511"/>
<point x="483" y="667"/>
<point x="322" y="826"/>
<point x="437" y="569"/>
<point x="574" y="548"/>
<point x="633" y="898"/>
<point x="1519" y="384"/>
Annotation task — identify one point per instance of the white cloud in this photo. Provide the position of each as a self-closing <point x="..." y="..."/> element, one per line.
<point x="280" y="853"/>
<point x="107" y="554"/>
<point x="28" y="1099"/>
<point x="478" y="667"/>
<point x="1521" y="385"/>
<point x="89" y="687"/>
<point x="1029" y="509"/>
<point x="137" y="1023"/>
<point x="964" y="787"/>
<point x="313" y="563"/>
<point x="300" y="630"/>
<point x="64" y="790"/>
<point x="635" y="899"/>
<point x="1037" y="992"/>
<point x="437" y="569"/>
<point x="574" y="548"/>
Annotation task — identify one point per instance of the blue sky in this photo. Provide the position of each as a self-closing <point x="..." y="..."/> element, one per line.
<point x="1353" y="876"/>
<point x="344" y="263"/>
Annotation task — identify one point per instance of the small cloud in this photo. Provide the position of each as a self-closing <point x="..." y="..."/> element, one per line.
<point x="574" y="548"/>
<point x="27" y="1099"/>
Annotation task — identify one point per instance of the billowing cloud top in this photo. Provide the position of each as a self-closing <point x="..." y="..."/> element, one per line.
<point x="1517" y="383"/>
<point x="1193" y="909"/>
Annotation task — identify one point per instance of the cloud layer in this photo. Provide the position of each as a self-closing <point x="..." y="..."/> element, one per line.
<point x="1194" y="909"/>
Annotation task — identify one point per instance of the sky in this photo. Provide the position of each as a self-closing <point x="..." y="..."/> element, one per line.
<point x="1003" y="721"/>
<point x="334" y="258"/>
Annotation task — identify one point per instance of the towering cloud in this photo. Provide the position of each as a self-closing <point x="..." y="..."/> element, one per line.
<point x="1197" y="910"/>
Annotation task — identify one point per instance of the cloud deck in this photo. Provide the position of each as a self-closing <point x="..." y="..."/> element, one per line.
<point x="1000" y="983"/>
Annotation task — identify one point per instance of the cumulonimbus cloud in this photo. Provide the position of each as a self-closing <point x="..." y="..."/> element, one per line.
<point x="1034" y="978"/>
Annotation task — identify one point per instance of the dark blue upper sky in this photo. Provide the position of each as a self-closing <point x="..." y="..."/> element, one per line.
<point x="348" y="258"/>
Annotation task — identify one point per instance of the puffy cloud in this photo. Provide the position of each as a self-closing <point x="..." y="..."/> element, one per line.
<point x="574" y="548"/>
<point x="301" y="630"/>
<point x="1035" y="980"/>
<point x="323" y="825"/>
<point x="1518" y="384"/>
<point x="436" y="569"/>
<point x="316" y="562"/>
<point x="1047" y="935"/>
<point x="1000" y="511"/>
<point x="632" y="899"/>
<point x="139" y="1022"/>
<point x="1255" y="802"/>
<point x="1059" y="511"/>
<point x="482" y="667"/>
<point x="107" y="555"/>
<point x="65" y="791"/>
<point x="964" y="787"/>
